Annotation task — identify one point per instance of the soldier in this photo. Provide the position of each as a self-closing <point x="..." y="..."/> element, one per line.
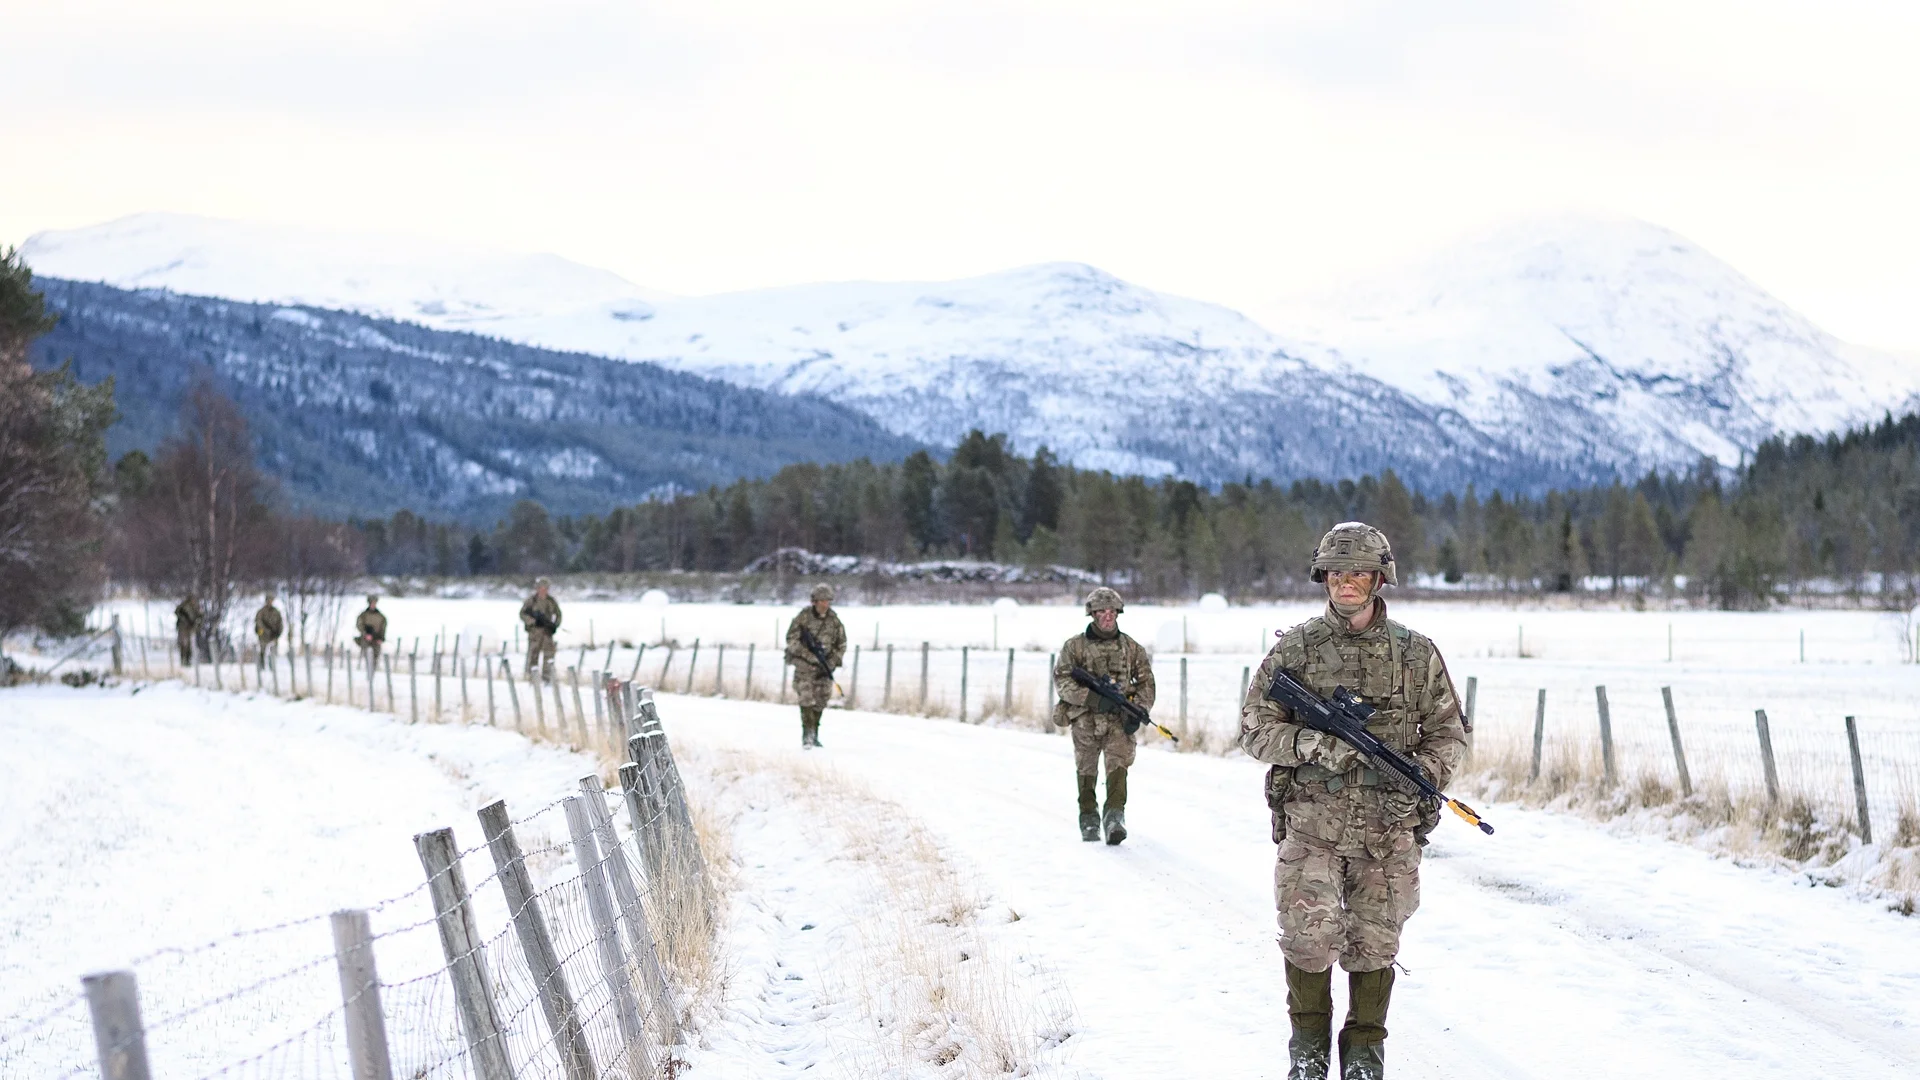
<point x="541" y="616"/>
<point x="1097" y="722"/>
<point x="267" y="627"/>
<point x="1348" y="873"/>
<point x="813" y="685"/>
<point x="370" y="629"/>
<point x="186" y="625"/>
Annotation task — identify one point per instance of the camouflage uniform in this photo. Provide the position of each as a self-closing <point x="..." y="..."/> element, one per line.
<point x="812" y="688"/>
<point x="1096" y="724"/>
<point x="540" y="648"/>
<point x="186" y="623"/>
<point x="1347" y="875"/>
<point x="268" y="625"/>
<point x="370" y="632"/>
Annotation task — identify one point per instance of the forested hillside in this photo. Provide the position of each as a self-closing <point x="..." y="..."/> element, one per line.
<point x="356" y="415"/>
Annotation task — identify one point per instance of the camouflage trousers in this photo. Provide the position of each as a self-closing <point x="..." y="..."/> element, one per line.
<point x="1342" y="907"/>
<point x="1094" y="735"/>
<point x="810" y="688"/>
<point x="186" y="646"/>
<point x="539" y="653"/>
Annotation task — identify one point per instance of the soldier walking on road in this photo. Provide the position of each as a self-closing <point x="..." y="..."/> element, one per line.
<point x="813" y="683"/>
<point x="267" y="627"/>
<point x="541" y="616"/>
<point x="1348" y="872"/>
<point x="186" y="626"/>
<point x="370" y="630"/>
<point x="1098" y="725"/>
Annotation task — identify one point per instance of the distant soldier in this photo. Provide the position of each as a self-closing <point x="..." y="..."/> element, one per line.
<point x="541" y="616"/>
<point x="267" y="627"/>
<point x="1099" y="727"/>
<point x="370" y="630"/>
<point x="187" y="617"/>
<point x="1348" y="874"/>
<point x="814" y="633"/>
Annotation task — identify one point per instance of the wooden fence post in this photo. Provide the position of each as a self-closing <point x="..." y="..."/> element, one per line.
<point x="439" y="713"/>
<point x="579" y="711"/>
<point x="513" y="694"/>
<point x="720" y="670"/>
<point x="924" y="646"/>
<point x="463" y="946"/>
<point x="640" y="939"/>
<point x="118" y="1037"/>
<point x="1183" y="683"/>
<point x="963" y="684"/>
<point x="746" y="686"/>
<point x="613" y="961"/>
<point x="599" y="701"/>
<point x="1766" y="755"/>
<point x="1606" y="735"/>
<point x="533" y="691"/>
<point x="693" y="661"/>
<point x="1679" y="753"/>
<point x="1473" y="689"/>
<point x="413" y="688"/>
<point x="639" y="654"/>
<point x="1859" y="782"/>
<point x="117" y="669"/>
<point x="886" y="682"/>
<point x="367" y="1055"/>
<point x="536" y="943"/>
<point x="329" y="672"/>
<point x="1006" y="693"/>
<point x="559" y="703"/>
<point x="1539" y="734"/>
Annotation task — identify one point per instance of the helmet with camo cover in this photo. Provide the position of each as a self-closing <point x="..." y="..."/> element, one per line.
<point x="822" y="591"/>
<point x="1104" y="599"/>
<point x="1354" y="545"/>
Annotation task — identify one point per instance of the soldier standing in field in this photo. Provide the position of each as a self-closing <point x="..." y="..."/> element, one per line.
<point x="1348" y="872"/>
<point x="1098" y="725"/>
<point x="186" y="626"/>
<point x="812" y="682"/>
<point x="541" y="616"/>
<point x="370" y="631"/>
<point x="267" y="628"/>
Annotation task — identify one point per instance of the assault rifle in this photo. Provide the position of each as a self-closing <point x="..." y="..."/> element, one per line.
<point x="1133" y="714"/>
<point x="1345" y="718"/>
<point x="541" y="622"/>
<point x="820" y="657"/>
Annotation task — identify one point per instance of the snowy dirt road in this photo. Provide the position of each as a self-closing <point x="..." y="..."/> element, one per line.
<point x="1553" y="949"/>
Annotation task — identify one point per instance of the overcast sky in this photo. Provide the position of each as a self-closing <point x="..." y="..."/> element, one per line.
<point x="1235" y="152"/>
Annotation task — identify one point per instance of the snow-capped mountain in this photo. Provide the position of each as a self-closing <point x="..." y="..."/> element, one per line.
<point x="1571" y="349"/>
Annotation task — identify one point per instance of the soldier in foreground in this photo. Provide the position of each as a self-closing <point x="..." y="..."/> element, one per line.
<point x="1348" y="874"/>
<point x="816" y="641"/>
<point x="540" y="614"/>
<point x="370" y="631"/>
<point x="267" y="628"/>
<point x="186" y="625"/>
<point x="1098" y="725"/>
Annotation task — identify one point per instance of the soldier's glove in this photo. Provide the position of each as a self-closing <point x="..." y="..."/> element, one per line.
<point x="1102" y="703"/>
<point x="1319" y="748"/>
<point x="1400" y="805"/>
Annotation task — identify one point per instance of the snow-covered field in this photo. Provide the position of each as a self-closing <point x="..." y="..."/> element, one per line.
<point x="914" y="900"/>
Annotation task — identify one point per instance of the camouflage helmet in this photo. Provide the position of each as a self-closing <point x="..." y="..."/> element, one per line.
<point x="1354" y="545"/>
<point x="822" y="591"/>
<point x="1105" y="599"/>
<point x="542" y="582"/>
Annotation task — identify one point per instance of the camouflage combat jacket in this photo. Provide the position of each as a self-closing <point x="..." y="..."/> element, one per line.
<point x="1398" y="672"/>
<point x="1119" y="658"/>
<point x="544" y="606"/>
<point x="267" y="624"/>
<point x="827" y="630"/>
<point x="371" y="626"/>
<point x="186" y="616"/>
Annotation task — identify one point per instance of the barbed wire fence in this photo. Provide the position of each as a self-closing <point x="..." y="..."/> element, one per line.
<point x="566" y="944"/>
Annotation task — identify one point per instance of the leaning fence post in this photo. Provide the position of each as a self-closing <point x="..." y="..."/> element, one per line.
<point x="613" y="961"/>
<point x="389" y="666"/>
<point x="746" y="685"/>
<point x="513" y="693"/>
<point x="579" y="710"/>
<point x="1539" y="734"/>
<point x="963" y="684"/>
<point x="1606" y="735"/>
<point x="466" y="959"/>
<point x="639" y="654"/>
<point x="693" y="662"/>
<point x="640" y="939"/>
<point x="536" y="943"/>
<point x="121" y="1042"/>
<point x="533" y="691"/>
<point x="559" y="703"/>
<point x="367" y="1055"/>
<point x="1766" y="755"/>
<point x="1859" y="782"/>
<point x="1673" y="732"/>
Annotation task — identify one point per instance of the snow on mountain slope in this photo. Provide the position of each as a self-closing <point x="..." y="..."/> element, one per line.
<point x="1548" y="352"/>
<point x="1603" y="335"/>
<point x="444" y="286"/>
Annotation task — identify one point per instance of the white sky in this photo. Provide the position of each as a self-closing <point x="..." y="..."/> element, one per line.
<point x="1234" y="152"/>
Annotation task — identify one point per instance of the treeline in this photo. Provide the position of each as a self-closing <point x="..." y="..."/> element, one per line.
<point x="1843" y="511"/>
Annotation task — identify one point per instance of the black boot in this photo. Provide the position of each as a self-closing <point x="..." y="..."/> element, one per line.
<point x="1310" y="1009"/>
<point x="1089" y="809"/>
<point x="1363" y="1039"/>
<point x="1114" y="824"/>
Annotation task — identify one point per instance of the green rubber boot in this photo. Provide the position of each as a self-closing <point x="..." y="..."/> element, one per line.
<point x="1363" y="1038"/>
<point x="1089" y="809"/>
<point x="1310" y="1008"/>
<point x="1114" y="823"/>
